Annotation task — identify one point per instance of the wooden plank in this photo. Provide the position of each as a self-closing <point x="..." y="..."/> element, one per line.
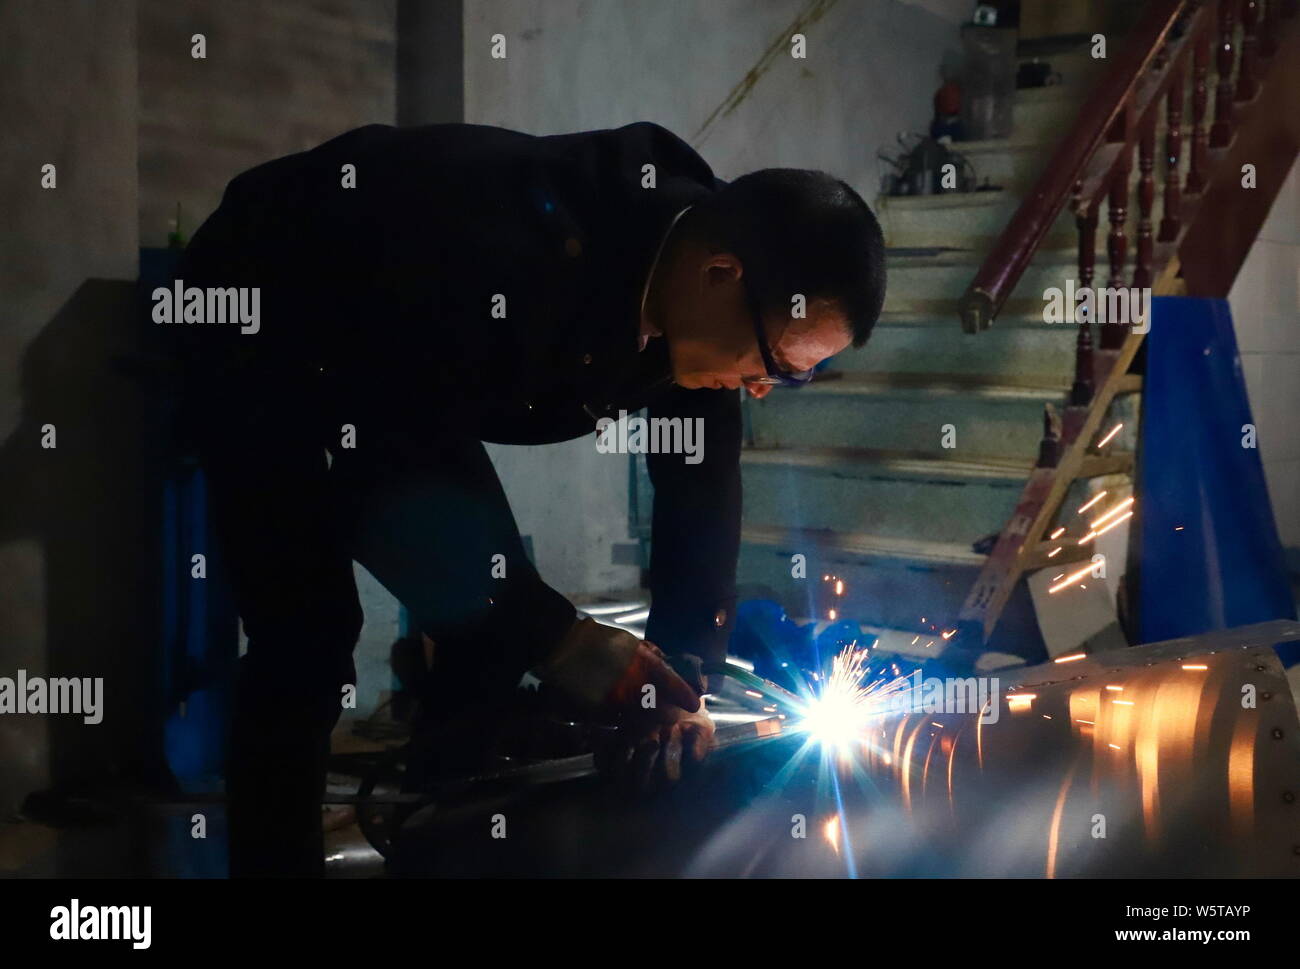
<point x="1043" y="494"/>
<point x="1097" y="465"/>
<point x="1130" y="383"/>
<point x="1071" y="553"/>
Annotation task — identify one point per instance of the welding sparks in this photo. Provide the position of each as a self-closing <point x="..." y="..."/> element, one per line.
<point x="1106" y="440"/>
<point x="831" y="832"/>
<point x="1018" y="702"/>
<point x="1112" y="513"/>
<point x="1070" y="579"/>
<point x="839" y="713"/>
<point x="1118" y="521"/>
<point x="1095" y="498"/>
<point x="1057" y="533"/>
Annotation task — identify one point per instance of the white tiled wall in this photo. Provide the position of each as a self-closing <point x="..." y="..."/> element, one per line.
<point x="1265" y="304"/>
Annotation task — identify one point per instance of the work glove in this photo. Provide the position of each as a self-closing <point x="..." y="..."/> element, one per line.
<point x="606" y="670"/>
<point x="647" y="753"/>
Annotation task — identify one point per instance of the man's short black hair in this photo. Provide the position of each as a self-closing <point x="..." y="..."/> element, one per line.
<point x="799" y="231"/>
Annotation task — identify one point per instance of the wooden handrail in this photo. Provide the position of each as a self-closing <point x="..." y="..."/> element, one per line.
<point x="1103" y="118"/>
<point x="1204" y="232"/>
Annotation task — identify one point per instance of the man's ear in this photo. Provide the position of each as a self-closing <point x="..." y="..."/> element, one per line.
<point x="721" y="266"/>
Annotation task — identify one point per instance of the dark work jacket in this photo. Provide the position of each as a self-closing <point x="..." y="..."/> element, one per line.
<point x="388" y="288"/>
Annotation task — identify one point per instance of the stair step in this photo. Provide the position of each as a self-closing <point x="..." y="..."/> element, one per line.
<point x="1004" y="351"/>
<point x="963" y="220"/>
<point x="1008" y="163"/>
<point x="890" y="583"/>
<point x="1045" y="114"/>
<point x="906" y="412"/>
<point x="930" y="314"/>
<point x="890" y="494"/>
<point x="973" y="221"/>
<point x="925" y="386"/>
<point x="948" y="273"/>
<point x="863" y="547"/>
<point x="1077" y="67"/>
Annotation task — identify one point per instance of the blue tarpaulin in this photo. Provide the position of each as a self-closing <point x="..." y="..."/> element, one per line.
<point x="1210" y="557"/>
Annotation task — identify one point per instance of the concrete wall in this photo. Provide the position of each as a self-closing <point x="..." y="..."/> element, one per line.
<point x="1265" y="304"/>
<point x="277" y="78"/>
<point x="871" y="71"/>
<point x="68" y="98"/>
<point x="430" y="66"/>
<point x="108" y="92"/>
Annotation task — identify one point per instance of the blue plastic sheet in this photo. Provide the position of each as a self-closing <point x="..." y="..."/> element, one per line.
<point x="1210" y="554"/>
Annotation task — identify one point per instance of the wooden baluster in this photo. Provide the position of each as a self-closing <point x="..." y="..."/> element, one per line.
<point x="1112" y="335"/>
<point x="1270" y="26"/>
<point x="1224" y="60"/>
<point x="1083" y="387"/>
<point x="1085" y="219"/>
<point x="1170" y="222"/>
<point x="1162" y="57"/>
<point x="1117" y="211"/>
<point x="1248" y="74"/>
<point x="1146" y="199"/>
<point x="1200" y="99"/>
<point x="1049" y="448"/>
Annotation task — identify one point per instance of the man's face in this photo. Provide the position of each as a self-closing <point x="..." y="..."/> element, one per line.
<point x="709" y="326"/>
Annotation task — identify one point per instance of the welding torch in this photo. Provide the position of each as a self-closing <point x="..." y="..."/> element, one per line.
<point x="752" y="681"/>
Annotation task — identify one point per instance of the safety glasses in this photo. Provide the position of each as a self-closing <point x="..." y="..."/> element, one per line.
<point x="776" y="376"/>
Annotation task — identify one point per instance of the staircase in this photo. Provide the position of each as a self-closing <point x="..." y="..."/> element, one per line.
<point x="851" y="471"/>
<point x="926" y="475"/>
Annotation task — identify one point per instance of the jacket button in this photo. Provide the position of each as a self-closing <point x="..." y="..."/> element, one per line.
<point x="572" y="248"/>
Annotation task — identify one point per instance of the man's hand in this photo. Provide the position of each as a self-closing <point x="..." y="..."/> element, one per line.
<point x="613" y="674"/>
<point x="631" y="683"/>
<point x="649" y="750"/>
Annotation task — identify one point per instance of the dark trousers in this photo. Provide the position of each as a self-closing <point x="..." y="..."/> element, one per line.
<point x="421" y="509"/>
